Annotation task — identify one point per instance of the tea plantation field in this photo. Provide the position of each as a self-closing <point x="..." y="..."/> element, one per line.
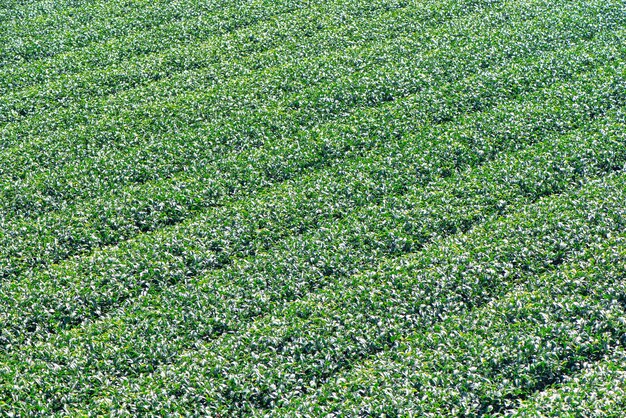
<point x="296" y="208"/>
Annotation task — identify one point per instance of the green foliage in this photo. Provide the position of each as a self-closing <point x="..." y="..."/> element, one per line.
<point x="482" y="362"/>
<point x="296" y="208"/>
<point x="147" y="206"/>
<point x="598" y="390"/>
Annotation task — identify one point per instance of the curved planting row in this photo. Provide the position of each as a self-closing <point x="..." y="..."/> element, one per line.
<point x="160" y="326"/>
<point x="110" y="219"/>
<point x="273" y="103"/>
<point x="484" y="362"/>
<point x="288" y="352"/>
<point x="597" y="390"/>
<point x="341" y="208"/>
<point x="26" y="40"/>
<point x="88" y="79"/>
<point x="430" y="152"/>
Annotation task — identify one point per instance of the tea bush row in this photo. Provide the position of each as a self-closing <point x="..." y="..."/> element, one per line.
<point x="169" y="139"/>
<point x="222" y="304"/>
<point x="119" y="216"/>
<point x="481" y="363"/>
<point x="284" y="356"/>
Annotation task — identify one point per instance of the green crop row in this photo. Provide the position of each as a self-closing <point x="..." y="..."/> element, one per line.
<point x="121" y="215"/>
<point x="44" y="13"/>
<point x="309" y="311"/>
<point x="298" y="208"/>
<point x="158" y="326"/>
<point x="482" y="362"/>
<point x="13" y="10"/>
<point x="598" y="390"/>
<point x="121" y="22"/>
<point x="283" y="355"/>
<point x="135" y="139"/>
<point x="294" y="351"/>
<point x="468" y="93"/>
<point x="148" y="126"/>
<point x="281" y="39"/>
<point x="250" y="226"/>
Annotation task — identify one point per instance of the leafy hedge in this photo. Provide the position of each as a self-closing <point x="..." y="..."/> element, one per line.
<point x="164" y="139"/>
<point x="115" y="217"/>
<point x="482" y="362"/>
<point x="282" y="39"/>
<point x="182" y="318"/>
<point x="598" y="390"/>
<point x="344" y="208"/>
<point x="283" y="355"/>
<point x="256" y="225"/>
